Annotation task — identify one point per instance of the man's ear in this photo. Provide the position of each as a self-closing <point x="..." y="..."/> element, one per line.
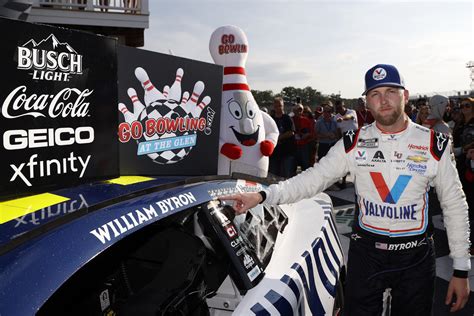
<point x="406" y="94"/>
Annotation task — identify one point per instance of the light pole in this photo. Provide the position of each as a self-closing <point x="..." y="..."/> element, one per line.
<point x="470" y="66"/>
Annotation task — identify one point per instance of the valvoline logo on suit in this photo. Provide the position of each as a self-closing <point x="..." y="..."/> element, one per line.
<point x="361" y="155"/>
<point x="390" y="195"/>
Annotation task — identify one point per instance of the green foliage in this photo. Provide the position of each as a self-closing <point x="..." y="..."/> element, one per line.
<point x="309" y="96"/>
<point x="263" y="98"/>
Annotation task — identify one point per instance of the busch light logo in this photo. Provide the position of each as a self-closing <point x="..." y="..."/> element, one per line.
<point x="165" y="126"/>
<point x="49" y="59"/>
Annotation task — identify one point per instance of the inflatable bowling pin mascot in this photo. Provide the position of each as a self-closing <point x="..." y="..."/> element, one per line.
<point x="247" y="135"/>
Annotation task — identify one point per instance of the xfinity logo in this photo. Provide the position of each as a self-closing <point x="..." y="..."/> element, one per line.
<point x="49" y="59"/>
<point x="35" y="168"/>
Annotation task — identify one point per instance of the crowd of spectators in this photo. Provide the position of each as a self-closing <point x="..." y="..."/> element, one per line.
<point x="306" y="135"/>
<point x="455" y="118"/>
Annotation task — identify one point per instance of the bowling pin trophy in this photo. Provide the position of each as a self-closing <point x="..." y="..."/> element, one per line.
<point x="247" y="135"/>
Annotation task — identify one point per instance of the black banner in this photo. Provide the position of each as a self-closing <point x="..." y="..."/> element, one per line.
<point x="169" y="114"/>
<point x="58" y="107"/>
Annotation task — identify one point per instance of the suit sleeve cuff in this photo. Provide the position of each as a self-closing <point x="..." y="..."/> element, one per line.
<point x="460" y="274"/>
<point x="263" y="194"/>
<point x="463" y="264"/>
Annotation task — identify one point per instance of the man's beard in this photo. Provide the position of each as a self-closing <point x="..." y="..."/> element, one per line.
<point x="388" y="120"/>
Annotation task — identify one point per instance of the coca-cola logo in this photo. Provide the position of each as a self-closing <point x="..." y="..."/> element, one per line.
<point x="69" y="102"/>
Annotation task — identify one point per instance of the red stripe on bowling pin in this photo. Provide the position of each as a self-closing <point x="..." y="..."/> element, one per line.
<point x="235" y="86"/>
<point x="194" y="97"/>
<point x="166" y="91"/>
<point x="204" y="102"/>
<point x="234" y="71"/>
<point x="150" y="86"/>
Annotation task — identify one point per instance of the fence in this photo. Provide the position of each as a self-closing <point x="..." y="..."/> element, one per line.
<point x="117" y="6"/>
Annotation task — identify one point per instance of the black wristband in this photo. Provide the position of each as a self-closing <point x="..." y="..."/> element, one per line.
<point x="460" y="274"/>
<point x="263" y="194"/>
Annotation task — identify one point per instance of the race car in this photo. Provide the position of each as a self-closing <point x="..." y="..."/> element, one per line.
<point x="167" y="246"/>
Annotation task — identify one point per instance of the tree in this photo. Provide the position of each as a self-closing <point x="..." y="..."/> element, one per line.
<point x="309" y="96"/>
<point x="263" y="98"/>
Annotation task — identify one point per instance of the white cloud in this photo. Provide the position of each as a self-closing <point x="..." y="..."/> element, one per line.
<point x="327" y="44"/>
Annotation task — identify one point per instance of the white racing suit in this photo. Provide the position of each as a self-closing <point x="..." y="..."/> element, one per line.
<point x="392" y="230"/>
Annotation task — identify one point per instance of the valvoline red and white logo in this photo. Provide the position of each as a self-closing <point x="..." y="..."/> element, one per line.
<point x="387" y="195"/>
<point x="379" y="74"/>
<point x="361" y="155"/>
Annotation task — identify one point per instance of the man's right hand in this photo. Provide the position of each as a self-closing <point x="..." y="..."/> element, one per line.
<point x="243" y="201"/>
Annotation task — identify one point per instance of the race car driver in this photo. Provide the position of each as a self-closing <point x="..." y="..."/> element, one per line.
<point x="394" y="162"/>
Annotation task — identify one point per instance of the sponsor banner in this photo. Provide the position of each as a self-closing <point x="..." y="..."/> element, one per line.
<point x="404" y="212"/>
<point x="57" y="108"/>
<point x="169" y="112"/>
<point x="368" y="143"/>
<point x="240" y="187"/>
<point x="361" y="155"/>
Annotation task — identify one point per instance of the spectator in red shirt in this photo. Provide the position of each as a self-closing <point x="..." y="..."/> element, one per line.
<point x="364" y="117"/>
<point x="312" y="141"/>
<point x="303" y="135"/>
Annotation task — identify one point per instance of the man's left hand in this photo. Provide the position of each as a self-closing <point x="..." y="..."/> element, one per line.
<point x="459" y="288"/>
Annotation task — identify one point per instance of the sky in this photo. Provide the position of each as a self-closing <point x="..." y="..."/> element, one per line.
<point x="328" y="45"/>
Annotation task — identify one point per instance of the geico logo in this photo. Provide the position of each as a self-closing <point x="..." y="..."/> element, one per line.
<point x="42" y="137"/>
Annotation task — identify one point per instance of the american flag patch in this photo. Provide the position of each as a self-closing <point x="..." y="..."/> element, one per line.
<point x="382" y="246"/>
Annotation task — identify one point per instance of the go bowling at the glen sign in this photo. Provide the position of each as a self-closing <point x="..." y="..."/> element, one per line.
<point x="78" y="107"/>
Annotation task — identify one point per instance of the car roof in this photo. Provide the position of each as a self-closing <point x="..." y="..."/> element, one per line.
<point x="27" y="217"/>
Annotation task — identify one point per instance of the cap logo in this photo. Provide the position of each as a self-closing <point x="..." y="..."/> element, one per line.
<point x="379" y="74"/>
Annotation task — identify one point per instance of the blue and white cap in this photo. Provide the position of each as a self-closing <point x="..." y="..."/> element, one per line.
<point x="383" y="75"/>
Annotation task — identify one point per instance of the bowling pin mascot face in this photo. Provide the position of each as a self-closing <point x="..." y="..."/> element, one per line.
<point x="247" y="135"/>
